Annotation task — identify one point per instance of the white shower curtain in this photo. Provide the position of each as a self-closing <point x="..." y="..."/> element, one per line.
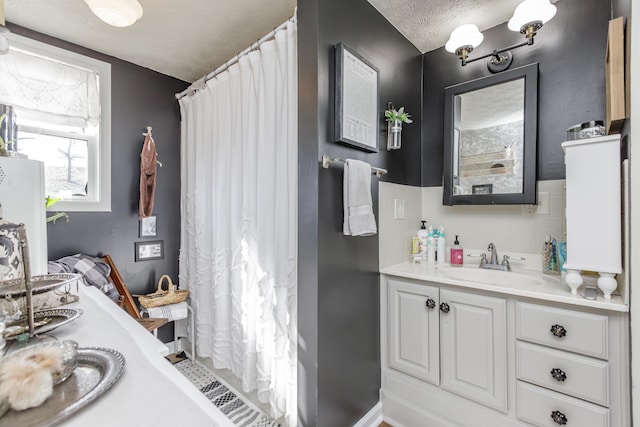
<point x="239" y="219"/>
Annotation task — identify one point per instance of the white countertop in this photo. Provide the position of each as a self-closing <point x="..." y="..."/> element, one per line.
<point x="151" y="392"/>
<point x="551" y="288"/>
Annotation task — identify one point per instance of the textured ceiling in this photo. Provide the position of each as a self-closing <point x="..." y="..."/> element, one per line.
<point x="189" y="38"/>
<point x="185" y="39"/>
<point x="428" y="23"/>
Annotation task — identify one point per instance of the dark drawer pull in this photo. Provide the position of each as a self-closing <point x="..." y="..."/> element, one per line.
<point x="558" y="374"/>
<point x="431" y="304"/>
<point x="444" y="307"/>
<point x="558" y="331"/>
<point x="559" y="418"/>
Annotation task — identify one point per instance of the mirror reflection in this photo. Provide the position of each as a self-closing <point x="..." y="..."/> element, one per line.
<point x="490" y="134"/>
<point x="489" y="140"/>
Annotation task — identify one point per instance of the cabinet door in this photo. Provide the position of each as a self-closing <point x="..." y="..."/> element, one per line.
<point x="473" y="335"/>
<point x="412" y="330"/>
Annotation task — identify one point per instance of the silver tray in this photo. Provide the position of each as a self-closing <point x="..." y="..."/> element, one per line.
<point x="39" y="284"/>
<point x="58" y="316"/>
<point x="98" y="369"/>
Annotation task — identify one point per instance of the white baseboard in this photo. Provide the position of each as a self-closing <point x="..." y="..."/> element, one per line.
<point x="373" y="418"/>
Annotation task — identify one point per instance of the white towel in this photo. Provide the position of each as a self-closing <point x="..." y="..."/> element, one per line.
<point x="170" y="311"/>
<point x="358" y="207"/>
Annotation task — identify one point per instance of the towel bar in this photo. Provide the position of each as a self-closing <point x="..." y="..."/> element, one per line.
<point x="326" y="162"/>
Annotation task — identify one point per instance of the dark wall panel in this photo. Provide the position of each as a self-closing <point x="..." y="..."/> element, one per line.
<point x="570" y="50"/>
<point x="345" y="269"/>
<point x="307" y="213"/>
<point x="139" y="97"/>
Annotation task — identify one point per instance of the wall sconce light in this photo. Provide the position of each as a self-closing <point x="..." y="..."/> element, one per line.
<point x="527" y="19"/>
<point x="119" y="13"/>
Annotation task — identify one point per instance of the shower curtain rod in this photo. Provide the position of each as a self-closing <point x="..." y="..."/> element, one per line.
<point x="198" y="84"/>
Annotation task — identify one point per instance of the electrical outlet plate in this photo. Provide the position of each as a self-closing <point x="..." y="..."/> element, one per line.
<point x="542" y="208"/>
<point x="398" y="208"/>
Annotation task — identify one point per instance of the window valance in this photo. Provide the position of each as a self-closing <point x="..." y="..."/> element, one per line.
<point x="49" y="91"/>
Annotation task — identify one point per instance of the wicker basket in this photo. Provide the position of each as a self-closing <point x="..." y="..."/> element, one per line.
<point x="162" y="297"/>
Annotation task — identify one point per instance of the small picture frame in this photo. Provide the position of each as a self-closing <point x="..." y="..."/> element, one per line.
<point x="357" y="114"/>
<point x="146" y="251"/>
<point x="149" y="226"/>
<point x="482" y="189"/>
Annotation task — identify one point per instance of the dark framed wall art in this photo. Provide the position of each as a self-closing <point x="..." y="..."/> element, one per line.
<point x="356" y="100"/>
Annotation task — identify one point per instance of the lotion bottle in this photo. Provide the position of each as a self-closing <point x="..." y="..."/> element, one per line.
<point x="456" y="253"/>
<point x="423" y="234"/>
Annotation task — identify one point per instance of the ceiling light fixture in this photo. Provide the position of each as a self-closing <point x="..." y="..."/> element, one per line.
<point x="119" y="13"/>
<point x="528" y="18"/>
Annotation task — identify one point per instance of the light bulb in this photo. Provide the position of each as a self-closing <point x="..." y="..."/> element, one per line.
<point x="464" y="36"/>
<point x="530" y="12"/>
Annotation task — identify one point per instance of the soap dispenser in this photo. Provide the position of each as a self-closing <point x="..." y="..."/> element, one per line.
<point x="456" y="253"/>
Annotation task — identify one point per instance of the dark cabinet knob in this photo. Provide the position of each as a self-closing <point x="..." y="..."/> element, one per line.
<point x="558" y="374"/>
<point x="444" y="307"/>
<point x="559" y="418"/>
<point x="431" y="304"/>
<point x="558" y="331"/>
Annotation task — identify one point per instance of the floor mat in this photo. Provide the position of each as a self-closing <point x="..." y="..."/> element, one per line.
<point x="237" y="410"/>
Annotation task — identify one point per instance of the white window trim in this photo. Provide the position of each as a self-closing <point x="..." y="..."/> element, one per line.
<point x="102" y="203"/>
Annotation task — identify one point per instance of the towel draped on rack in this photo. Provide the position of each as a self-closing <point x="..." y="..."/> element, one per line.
<point x="148" y="165"/>
<point x="358" y="206"/>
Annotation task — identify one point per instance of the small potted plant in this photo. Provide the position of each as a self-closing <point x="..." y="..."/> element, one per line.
<point x="395" y="118"/>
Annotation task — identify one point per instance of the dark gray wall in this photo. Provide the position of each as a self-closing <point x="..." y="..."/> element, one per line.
<point x="139" y="97"/>
<point x="338" y="281"/>
<point x="570" y="50"/>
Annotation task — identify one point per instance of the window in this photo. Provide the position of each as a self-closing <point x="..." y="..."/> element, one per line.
<point x="62" y="104"/>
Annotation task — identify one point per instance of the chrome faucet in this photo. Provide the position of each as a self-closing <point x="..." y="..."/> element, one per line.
<point x="493" y="263"/>
<point x="494" y="254"/>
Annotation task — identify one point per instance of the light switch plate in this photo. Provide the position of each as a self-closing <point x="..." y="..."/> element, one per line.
<point x="398" y="208"/>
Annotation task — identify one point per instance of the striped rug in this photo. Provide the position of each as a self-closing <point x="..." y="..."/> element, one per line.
<point x="232" y="405"/>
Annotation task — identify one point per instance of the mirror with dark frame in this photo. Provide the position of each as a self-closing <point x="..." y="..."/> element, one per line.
<point x="490" y="139"/>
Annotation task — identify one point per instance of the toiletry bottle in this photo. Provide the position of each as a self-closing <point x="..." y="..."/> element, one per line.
<point x="431" y="245"/>
<point x="419" y="245"/>
<point x="416" y="250"/>
<point x="441" y="243"/>
<point x="456" y="254"/>
<point x="423" y="235"/>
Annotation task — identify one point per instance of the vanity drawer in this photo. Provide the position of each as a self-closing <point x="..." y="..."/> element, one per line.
<point x="575" y="331"/>
<point x="537" y="406"/>
<point x="578" y="376"/>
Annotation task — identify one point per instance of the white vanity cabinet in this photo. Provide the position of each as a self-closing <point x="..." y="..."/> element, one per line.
<point x="413" y="345"/>
<point x="473" y="344"/>
<point x="570" y="367"/>
<point x="448" y="338"/>
<point x="454" y="356"/>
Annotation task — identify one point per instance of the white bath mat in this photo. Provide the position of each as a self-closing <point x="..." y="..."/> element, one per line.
<point x="225" y="399"/>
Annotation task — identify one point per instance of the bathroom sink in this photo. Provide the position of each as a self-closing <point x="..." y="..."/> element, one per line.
<point x="490" y="277"/>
